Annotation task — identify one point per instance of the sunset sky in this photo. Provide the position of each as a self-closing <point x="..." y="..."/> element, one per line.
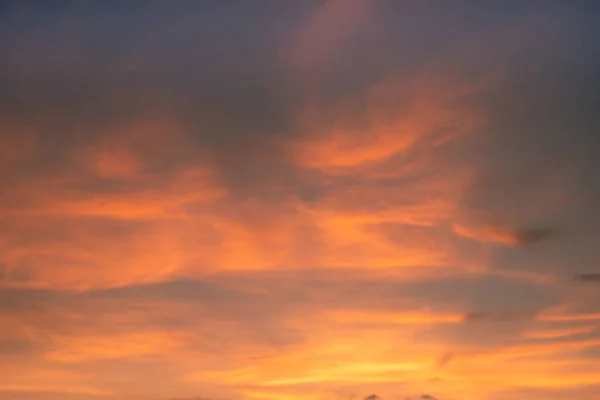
<point x="299" y="200"/>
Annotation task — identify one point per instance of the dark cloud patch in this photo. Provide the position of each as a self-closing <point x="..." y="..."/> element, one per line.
<point x="446" y="358"/>
<point x="17" y="346"/>
<point x="476" y="316"/>
<point x="16" y="299"/>
<point x="530" y="236"/>
<point x="574" y="252"/>
<point x="588" y="278"/>
<point x="483" y="316"/>
<point x="181" y="290"/>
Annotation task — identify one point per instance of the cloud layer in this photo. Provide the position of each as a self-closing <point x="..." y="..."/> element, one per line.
<point x="321" y="200"/>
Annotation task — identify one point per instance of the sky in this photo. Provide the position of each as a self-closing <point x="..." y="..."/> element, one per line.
<point x="299" y="200"/>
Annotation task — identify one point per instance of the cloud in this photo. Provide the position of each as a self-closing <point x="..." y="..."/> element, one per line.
<point x="553" y="333"/>
<point x="522" y="237"/>
<point x="496" y="316"/>
<point x="189" y="398"/>
<point x="292" y="201"/>
<point x="446" y="358"/>
<point x="327" y="31"/>
<point x="526" y="237"/>
<point x="588" y="277"/>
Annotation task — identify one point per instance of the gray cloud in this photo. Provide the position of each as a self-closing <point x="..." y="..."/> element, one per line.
<point x="592" y="278"/>
<point x="446" y="358"/>
<point x="530" y="236"/>
<point x="477" y="316"/>
<point x="17" y="346"/>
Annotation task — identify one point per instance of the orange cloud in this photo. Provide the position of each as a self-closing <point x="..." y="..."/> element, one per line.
<point x="402" y="117"/>
<point x="196" y="228"/>
<point x="29" y="378"/>
<point x="118" y="163"/>
<point x="130" y="345"/>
